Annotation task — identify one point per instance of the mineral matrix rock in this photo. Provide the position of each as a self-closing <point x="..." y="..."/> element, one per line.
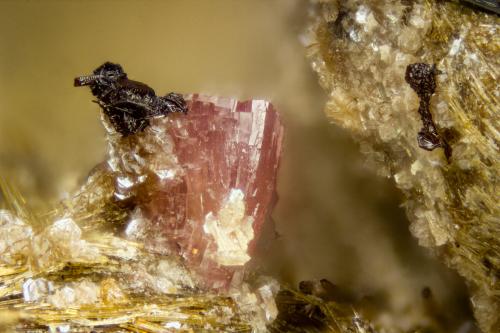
<point x="361" y="50"/>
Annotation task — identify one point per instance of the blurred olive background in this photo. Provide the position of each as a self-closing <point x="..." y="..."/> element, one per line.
<point x="336" y="219"/>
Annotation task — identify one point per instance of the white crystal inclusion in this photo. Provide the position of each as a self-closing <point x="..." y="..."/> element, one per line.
<point x="231" y="229"/>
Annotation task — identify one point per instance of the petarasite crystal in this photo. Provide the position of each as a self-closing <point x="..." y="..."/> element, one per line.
<point x="201" y="184"/>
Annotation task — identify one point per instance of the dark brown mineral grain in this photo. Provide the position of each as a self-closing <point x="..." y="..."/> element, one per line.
<point x="128" y="104"/>
<point x="421" y="78"/>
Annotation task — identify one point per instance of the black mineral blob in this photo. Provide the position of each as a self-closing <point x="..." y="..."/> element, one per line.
<point x="421" y="78"/>
<point x="128" y="104"/>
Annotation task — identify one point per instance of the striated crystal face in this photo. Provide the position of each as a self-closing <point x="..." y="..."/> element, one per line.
<point x="203" y="183"/>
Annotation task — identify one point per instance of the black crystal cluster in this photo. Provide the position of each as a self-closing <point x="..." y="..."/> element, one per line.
<point x="128" y="104"/>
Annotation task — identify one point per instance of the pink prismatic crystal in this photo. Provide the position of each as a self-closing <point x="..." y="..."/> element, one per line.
<point x="210" y="201"/>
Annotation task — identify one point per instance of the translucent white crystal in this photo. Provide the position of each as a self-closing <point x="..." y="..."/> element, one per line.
<point x="125" y="182"/>
<point x="65" y="234"/>
<point x="15" y="237"/>
<point x="61" y="241"/>
<point x="64" y="328"/>
<point x="267" y="292"/>
<point x="166" y="174"/>
<point x="455" y="46"/>
<point x="164" y="276"/>
<point x="122" y="249"/>
<point x="169" y="276"/>
<point x="75" y="294"/>
<point x="259" y="304"/>
<point x="232" y="230"/>
<point x="361" y="14"/>
<point x="173" y="324"/>
<point x="136" y="227"/>
<point x="65" y="230"/>
<point x="35" y="290"/>
<point x="111" y="292"/>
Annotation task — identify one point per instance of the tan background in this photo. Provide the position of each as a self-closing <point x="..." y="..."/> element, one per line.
<point x="336" y="219"/>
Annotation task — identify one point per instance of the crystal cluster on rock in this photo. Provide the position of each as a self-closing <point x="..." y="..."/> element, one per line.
<point x="159" y="229"/>
<point x="361" y="50"/>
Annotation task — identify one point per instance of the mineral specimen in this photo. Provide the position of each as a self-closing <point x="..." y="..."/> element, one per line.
<point x="153" y="239"/>
<point x="201" y="184"/>
<point x="361" y="50"/>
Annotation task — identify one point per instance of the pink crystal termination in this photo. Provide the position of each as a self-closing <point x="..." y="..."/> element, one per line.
<point x="229" y="152"/>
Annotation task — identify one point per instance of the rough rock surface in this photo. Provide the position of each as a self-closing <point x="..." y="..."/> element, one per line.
<point x="361" y="50"/>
